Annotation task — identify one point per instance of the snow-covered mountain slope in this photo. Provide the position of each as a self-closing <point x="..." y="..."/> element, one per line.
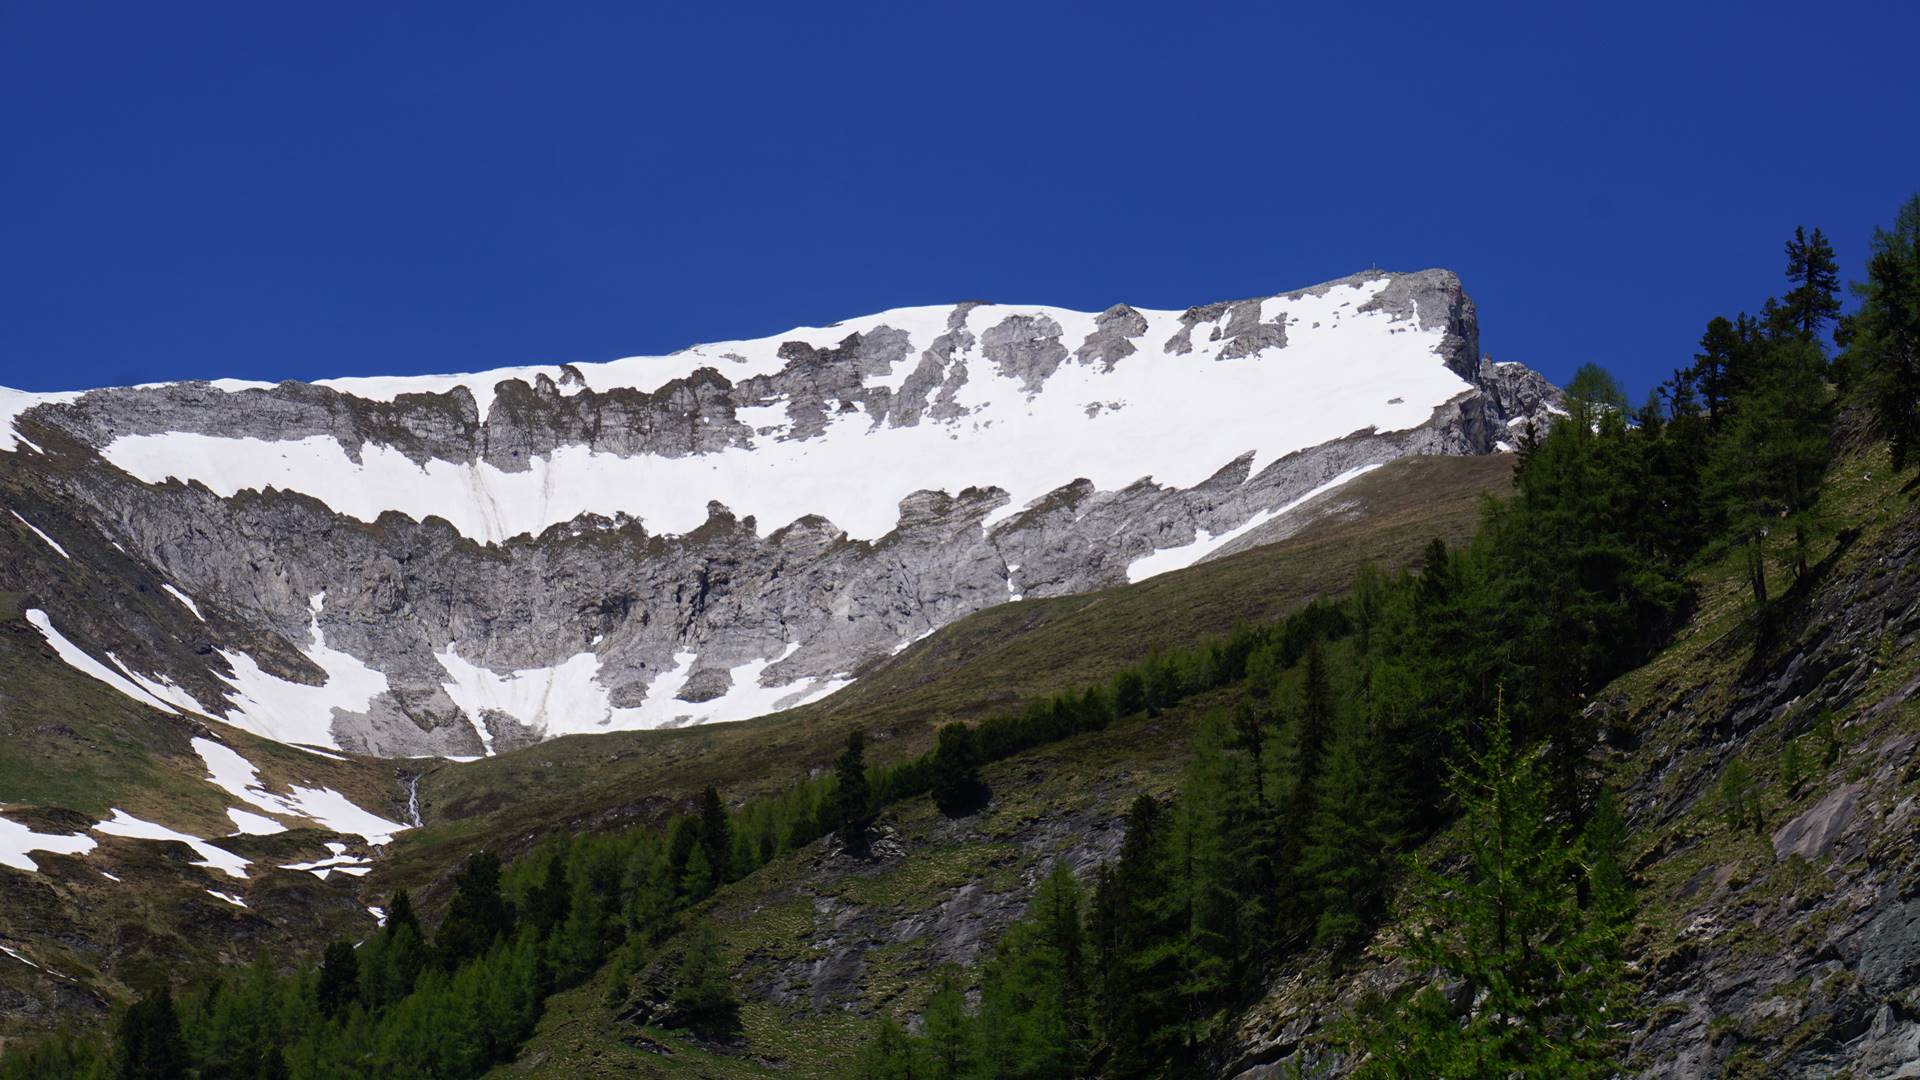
<point x="455" y="564"/>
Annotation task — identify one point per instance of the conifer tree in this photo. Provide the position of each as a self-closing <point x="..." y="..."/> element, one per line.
<point x="1312" y="723"/>
<point x="339" y="984"/>
<point x="948" y="1033"/>
<point x="400" y="913"/>
<point x="1541" y="972"/>
<point x="699" y="881"/>
<point x="850" y="813"/>
<point x="682" y="837"/>
<point x="1348" y="856"/>
<point x="1138" y="975"/>
<point x="703" y="995"/>
<point x="1129" y="693"/>
<point x="1713" y="368"/>
<point x="477" y="916"/>
<point x="1885" y="349"/>
<point x="549" y="902"/>
<point x="149" y="1044"/>
<point x="1766" y="465"/>
<point x="1595" y="388"/>
<point x="716" y="835"/>
<point x="1814" y="299"/>
<point x="393" y="958"/>
<point x="1203" y="904"/>
<point x="1033" y="1019"/>
<point x="1737" y="795"/>
<point x="957" y="788"/>
<point x="888" y="1055"/>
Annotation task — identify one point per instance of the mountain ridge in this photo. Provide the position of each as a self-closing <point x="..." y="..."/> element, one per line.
<point x="431" y="569"/>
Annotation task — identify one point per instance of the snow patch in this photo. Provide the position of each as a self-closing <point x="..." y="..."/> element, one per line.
<point x="125" y="824"/>
<point x="1179" y="558"/>
<point x="51" y="542"/>
<point x="22" y="959"/>
<point x="16" y="840"/>
<point x="163" y="688"/>
<point x="253" y="824"/>
<point x="14" y="402"/>
<point x="77" y="658"/>
<point x="291" y="712"/>
<point x="185" y="600"/>
<point x="568" y="698"/>
<point x="324" y="806"/>
<point x="346" y="864"/>
<point x="1327" y="383"/>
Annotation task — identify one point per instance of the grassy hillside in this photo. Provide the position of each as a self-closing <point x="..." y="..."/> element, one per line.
<point x="819" y="942"/>
<point x="73" y="750"/>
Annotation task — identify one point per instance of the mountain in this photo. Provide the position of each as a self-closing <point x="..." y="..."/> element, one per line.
<point x="1207" y="824"/>
<point x="460" y="565"/>
<point x="86" y="928"/>
<point x="241" y="620"/>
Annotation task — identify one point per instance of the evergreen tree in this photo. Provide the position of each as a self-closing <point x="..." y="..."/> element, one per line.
<point x="1793" y="767"/>
<point x="149" y="1044"/>
<point x="1596" y="388"/>
<point x="1208" y="905"/>
<point x="850" y="812"/>
<point x="339" y="984"/>
<point x="699" y="881"/>
<point x="1737" y="795"/>
<point x="1541" y="972"/>
<point x="957" y="787"/>
<point x="1348" y="855"/>
<point x="400" y="914"/>
<point x="682" y="837"/>
<point x="1059" y="909"/>
<point x="1312" y="723"/>
<point x="1139" y="976"/>
<point x="1713" y="368"/>
<point x="390" y="961"/>
<point x="549" y="902"/>
<point x="1885" y="349"/>
<point x="1129" y="693"/>
<point x="703" y="995"/>
<point x="716" y="835"/>
<point x="1814" y="299"/>
<point x="949" y="1033"/>
<point x="477" y="915"/>
<point x="1164" y="686"/>
<point x="1767" y="464"/>
<point x="888" y="1055"/>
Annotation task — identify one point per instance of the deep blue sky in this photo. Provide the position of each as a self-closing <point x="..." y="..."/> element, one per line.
<point x="277" y="190"/>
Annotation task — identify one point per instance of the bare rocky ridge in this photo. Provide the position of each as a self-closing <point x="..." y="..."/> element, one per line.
<point x="732" y="592"/>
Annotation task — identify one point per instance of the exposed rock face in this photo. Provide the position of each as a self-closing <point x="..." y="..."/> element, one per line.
<point x="521" y="554"/>
<point x="1800" y="961"/>
<point x="1812" y="834"/>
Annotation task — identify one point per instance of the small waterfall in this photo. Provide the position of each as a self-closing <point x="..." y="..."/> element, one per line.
<point x="413" y="800"/>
